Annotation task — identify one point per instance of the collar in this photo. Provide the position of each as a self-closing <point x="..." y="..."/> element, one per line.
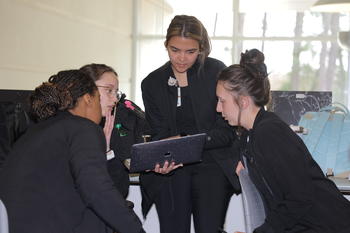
<point x="192" y="70"/>
<point x="259" y="117"/>
<point x="64" y="113"/>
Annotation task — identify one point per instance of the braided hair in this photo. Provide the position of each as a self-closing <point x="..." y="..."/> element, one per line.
<point x="61" y="92"/>
<point x="249" y="78"/>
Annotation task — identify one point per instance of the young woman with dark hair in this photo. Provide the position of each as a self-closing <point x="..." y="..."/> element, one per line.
<point x="123" y="122"/>
<point x="106" y="80"/>
<point x="179" y="99"/>
<point x="55" y="179"/>
<point x="297" y="196"/>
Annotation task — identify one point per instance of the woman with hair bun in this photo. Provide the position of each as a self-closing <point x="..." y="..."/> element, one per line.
<point x="297" y="196"/>
<point x="55" y="179"/>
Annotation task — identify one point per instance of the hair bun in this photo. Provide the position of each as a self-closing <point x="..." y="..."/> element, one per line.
<point x="45" y="101"/>
<point x="253" y="62"/>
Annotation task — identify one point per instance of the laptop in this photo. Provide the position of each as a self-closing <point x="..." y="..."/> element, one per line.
<point x="188" y="149"/>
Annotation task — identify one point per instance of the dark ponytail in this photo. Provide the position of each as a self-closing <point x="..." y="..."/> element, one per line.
<point x="60" y="93"/>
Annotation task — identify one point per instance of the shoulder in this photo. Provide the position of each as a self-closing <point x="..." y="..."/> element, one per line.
<point x="270" y="136"/>
<point x="271" y="127"/>
<point x="73" y="125"/>
<point x="211" y="68"/>
<point x="77" y="122"/>
<point x="126" y="114"/>
<point x="156" y="75"/>
<point x="82" y="133"/>
<point x="268" y="120"/>
<point x="212" y="63"/>
<point x="63" y="129"/>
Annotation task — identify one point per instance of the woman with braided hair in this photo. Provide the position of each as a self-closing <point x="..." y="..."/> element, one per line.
<point x="55" y="179"/>
<point x="297" y="196"/>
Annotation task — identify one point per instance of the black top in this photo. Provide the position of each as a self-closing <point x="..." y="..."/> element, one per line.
<point x="160" y="108"/>
<point x="185" y="122"/>
<point x="128" y="129"/>
<point x="55" y="180"/>
<point x="297" y="196"/>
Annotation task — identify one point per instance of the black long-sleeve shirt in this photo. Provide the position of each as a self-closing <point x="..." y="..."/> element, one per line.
<point x="297" y="196"/>
<point x="55" y="180"/>
<point x="161" y="108"/>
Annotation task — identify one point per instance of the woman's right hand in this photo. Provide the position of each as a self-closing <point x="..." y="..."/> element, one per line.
<point x="166" y="167"/>
<point x="172" y="137"/>
<point x="239" y="168"/>
<point x="108" y="127"/>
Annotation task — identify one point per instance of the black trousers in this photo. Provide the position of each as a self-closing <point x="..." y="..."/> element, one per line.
<point x="202" y="190"/>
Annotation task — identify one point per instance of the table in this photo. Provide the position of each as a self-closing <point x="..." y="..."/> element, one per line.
<point x="342" y="184"/>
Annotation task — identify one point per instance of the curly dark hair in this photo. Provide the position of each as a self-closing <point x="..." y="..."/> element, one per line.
<point x="60" y="93"/>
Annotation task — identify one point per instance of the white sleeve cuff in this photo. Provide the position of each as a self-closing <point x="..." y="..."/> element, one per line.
<point x="110" y="155"/>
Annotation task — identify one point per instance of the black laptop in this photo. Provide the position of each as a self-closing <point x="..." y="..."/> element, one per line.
<point x="188" y="149"/>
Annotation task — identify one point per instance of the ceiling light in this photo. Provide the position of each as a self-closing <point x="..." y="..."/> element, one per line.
<point x="344" y="39"/>
<point x="331" y="6"/>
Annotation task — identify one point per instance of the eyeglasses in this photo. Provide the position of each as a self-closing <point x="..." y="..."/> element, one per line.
<point x="112" y="92"/>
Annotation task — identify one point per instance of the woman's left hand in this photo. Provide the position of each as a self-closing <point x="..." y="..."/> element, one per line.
<point x="108" y="128"/>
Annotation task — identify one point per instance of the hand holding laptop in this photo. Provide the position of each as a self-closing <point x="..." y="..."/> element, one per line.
<point x="166" y="155"/>
<point x="158" y="169"/>
<point x="167" y="167"/>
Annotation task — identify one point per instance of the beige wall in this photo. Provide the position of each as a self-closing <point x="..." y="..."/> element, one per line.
<point x="40" y="37"/>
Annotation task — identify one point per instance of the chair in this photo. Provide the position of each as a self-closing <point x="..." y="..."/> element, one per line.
<point x="253" y="206"/>
<point x="4" y="226"/>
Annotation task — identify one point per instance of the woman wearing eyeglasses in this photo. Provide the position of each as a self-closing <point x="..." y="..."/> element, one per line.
<point x="55" y="178"/>
<point x="121" y="132"/>
<point x="106" y="80"/>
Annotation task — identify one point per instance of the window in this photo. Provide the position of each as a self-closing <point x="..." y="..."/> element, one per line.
<point x="301" y="48"/>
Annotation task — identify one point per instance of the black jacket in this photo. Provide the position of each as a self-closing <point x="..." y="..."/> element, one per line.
<point x="129" y="127"/>
<point x="55" y="180"/>
<point x="297" y="196"/>
<point x="160" y="108"/>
